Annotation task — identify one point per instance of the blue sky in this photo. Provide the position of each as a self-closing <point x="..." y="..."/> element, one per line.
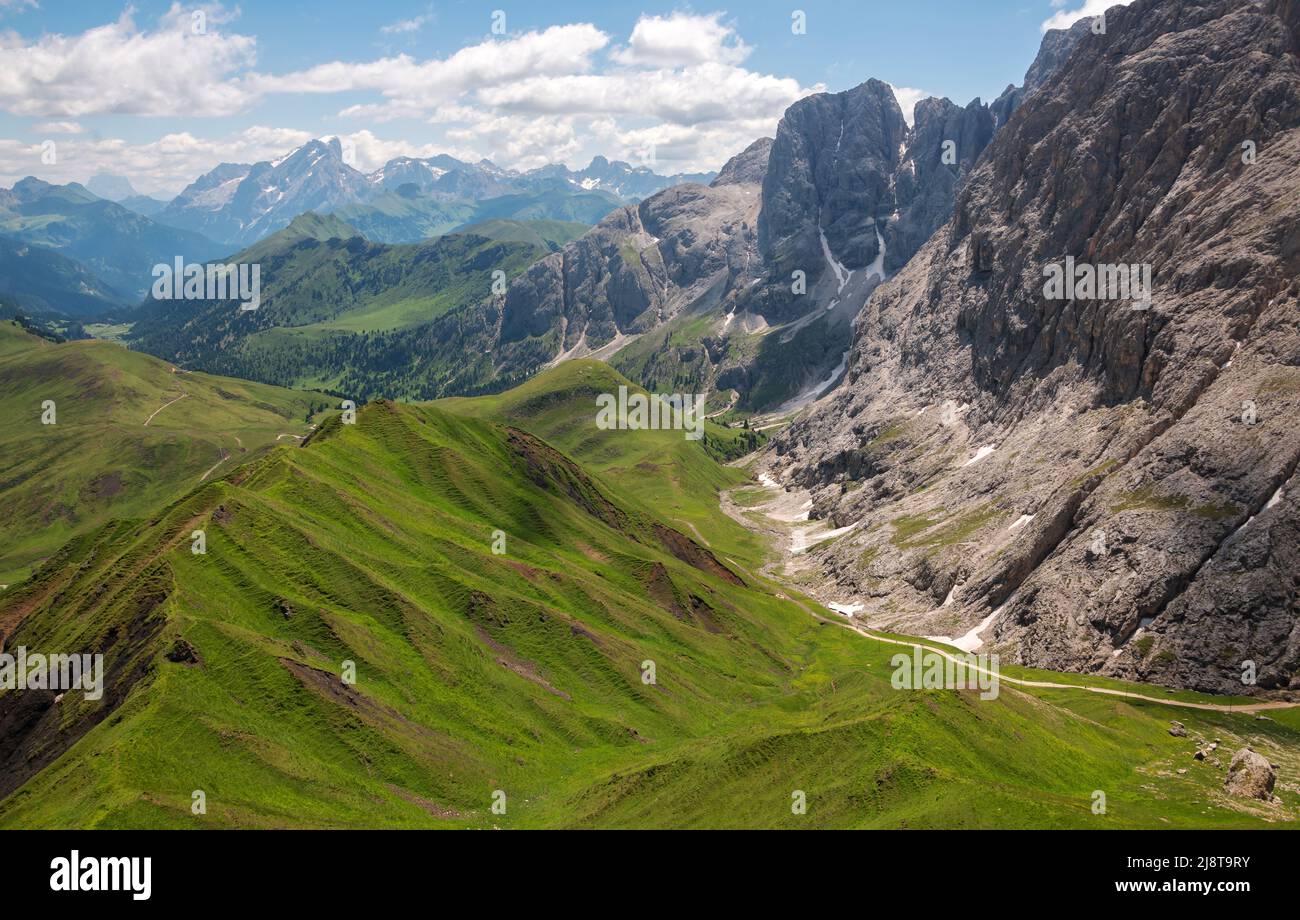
<point x="159" y="94"/>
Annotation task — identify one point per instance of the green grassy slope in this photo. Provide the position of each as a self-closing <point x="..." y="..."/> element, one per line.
<point x="100" y="459"/>
<point x="332" y="301"/>
<point x="544" y="234"/>
<point x="521" y="672"/>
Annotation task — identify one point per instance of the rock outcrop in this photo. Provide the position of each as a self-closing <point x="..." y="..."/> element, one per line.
<point x="1110" y="483"/>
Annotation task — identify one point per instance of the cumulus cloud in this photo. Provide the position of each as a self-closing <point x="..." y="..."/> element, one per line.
<point x="118" y="69"/>
<point x="1066" y="18"/>
<point x="678" y="83"/>
<point x="371" y="152"/>
<point x="672" y="95"/>
<point x="681" y="39"/>
<point x="413" y="85"/>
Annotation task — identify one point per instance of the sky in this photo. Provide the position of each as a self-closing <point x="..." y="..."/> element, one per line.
<point x="161" y="91"/>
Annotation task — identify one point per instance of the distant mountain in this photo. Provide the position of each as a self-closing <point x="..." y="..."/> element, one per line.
<point x="144" y="205"/>
<point x="406" y="214"/>
<point x="406" y="200"/>
<point x="551" y="201"/>
<point x="544" y="234"/>
<point x="111" y="188"/>
<point x="691" y="287"/>
<point x="118" y="245"/>
<point x="424" y="174"/>
<point x="242" y="204"/>
<point x="620" y="179"/>
<point x="42" y="281"/>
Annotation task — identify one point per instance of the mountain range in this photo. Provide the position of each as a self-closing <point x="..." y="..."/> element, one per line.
<point x="240" y="204"/>
<point x="693" y="287"/>
<point x="117" y="236"/>
<point x="112" y="243"/>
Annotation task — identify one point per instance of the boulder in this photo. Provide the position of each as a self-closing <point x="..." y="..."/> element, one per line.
<point x="1250" y="775"/>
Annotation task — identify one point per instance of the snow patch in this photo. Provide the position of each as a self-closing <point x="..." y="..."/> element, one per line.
<point x="847" y="609"/>
<point x="802" y="540"/>
<point x="971" y="642"/>
<point x="981" y="454"/>
<point x="1022" y="521"/>
<point x="878" y="266"/>
<point x="842" y="274"/>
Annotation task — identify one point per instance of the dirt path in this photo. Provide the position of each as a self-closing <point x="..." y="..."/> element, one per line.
<point x="225" y="455"/>
<point x="695" y="530"/>
<point x="162" y="407"/>
<point x="772" y="572"/>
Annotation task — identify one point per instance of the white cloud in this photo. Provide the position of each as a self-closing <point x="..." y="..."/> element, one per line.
<point x="677" y="148"/>
<point x="59" y="127"/>
<point x="412" y="85"/>
<point x="162" y="167"/>
<point x="407" y="26"/>
<point x="681" y="39"/>
<point x="907" y="99"/>
<point x="17" y="6"/>
<point x="523" y="100"/>
<point x="1066" y="18"/>
<point x="670" y="95"/>
<point x="118" y="69"/>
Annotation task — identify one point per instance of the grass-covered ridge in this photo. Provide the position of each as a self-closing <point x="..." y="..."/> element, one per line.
<point x="100" y="459"/>
<point x="522" y="671"/>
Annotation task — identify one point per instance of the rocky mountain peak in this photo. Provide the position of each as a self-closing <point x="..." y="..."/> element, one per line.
<point x="1100" y="483"/>
<point x="747" y="167"/>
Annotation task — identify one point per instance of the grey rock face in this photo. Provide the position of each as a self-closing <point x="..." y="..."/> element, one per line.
<point x="1115" y="486"/>
<point x="829" y="172"/>
<point x="844" y="194"/>
<point x="639" y="267"/>
<point x="848" y="176"/>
